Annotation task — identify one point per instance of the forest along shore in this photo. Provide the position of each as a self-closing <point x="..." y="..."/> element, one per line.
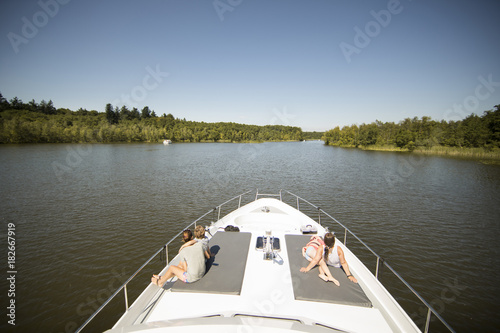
<point x="43" y="123"/>
<point x="475" y="137"/>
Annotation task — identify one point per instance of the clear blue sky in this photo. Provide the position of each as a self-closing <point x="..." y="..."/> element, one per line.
<point x="313" y="64"/>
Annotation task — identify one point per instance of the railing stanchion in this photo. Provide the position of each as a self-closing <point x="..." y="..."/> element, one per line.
<point x="428" y="320"/>
<point x="378" y="269"/>
<point x="345" y="236"/>
<point x="126" y="297"/>
<point x="319" y="215"/>
<point x="166" y="255"/>
<point x="218" y="215"/>
<point x="298" y="207"/>
<point x="239" y="202"/>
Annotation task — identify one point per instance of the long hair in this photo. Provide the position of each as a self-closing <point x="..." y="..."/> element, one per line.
<point x="329" y="243"/>
<point x="187" y="235"/>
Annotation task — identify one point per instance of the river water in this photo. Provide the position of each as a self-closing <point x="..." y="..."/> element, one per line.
<point x="87" y="216"/>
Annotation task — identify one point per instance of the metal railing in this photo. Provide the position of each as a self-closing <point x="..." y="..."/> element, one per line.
<point x="380" y="261"/>
<point x="163" y="248"/>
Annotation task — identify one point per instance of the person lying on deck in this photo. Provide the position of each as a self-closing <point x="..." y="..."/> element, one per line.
<point x="334" y="256"/>
<point x="313" y="252"/>
<point x="191" y="267"/>
<point x="199" y="236"/>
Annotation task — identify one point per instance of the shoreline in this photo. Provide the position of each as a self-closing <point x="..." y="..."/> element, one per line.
<point x="480" y="154"/>
<point x="147" y="142"/>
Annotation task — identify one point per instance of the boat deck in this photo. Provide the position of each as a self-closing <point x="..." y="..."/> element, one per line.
<point x="269" y="289"/>
<point x="226" y="269"/>
<point x="241" y="288"/>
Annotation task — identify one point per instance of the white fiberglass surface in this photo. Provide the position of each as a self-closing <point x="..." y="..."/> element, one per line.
<point x="267" y="291"/>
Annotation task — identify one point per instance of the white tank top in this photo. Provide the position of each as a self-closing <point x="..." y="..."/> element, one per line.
<point x="333" y="259"/>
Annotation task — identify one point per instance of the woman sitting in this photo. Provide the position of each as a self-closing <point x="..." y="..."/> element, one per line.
<point x="191" y="267"/>
<point x="313" y="252"/>
<point x="334" y="256"/>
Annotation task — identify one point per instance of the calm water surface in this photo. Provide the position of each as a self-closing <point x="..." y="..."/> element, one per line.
<point x="87" y="216"/>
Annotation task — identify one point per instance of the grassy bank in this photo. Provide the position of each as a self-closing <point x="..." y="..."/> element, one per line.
<point x="483" y="154"/>
<point x="475" y="153"/>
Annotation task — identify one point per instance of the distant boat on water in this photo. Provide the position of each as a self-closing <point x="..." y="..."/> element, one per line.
<point x="167" y="142"/>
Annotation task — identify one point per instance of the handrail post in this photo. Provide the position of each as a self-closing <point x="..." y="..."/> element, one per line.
<point x="280" y="196"/>
<point x="126" y="298"/>
<point x="378" y="269"/>
<point x="319" y="215"/>
<point x="218" y="215"/>
<point x="239" y="202"/>
<point x="166" y="255"/>
<point x="345" y="236"/>
<point x="428" y="320"/>
<point x="298" y="207"/>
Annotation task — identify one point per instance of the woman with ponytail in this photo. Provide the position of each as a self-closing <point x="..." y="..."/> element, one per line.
<point x="313" y="252"/>
<point x="334" y="256"/>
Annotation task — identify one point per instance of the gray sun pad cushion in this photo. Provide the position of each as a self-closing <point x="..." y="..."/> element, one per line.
<point x="226" y="268"/>
<point x="309" y="287"/>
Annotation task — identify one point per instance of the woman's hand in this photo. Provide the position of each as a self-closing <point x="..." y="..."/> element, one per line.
<point x="352" y="279"/>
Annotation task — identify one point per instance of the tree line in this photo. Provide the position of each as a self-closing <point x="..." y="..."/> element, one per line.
<point x="472" y="132"/>
<point x="42" y="123"/>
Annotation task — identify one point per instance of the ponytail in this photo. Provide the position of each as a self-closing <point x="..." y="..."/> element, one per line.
<point x="326" y="253"/>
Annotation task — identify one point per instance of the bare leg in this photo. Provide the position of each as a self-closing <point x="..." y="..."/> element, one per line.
<point x="171" y="272"/>
<point x="325" y="273"/>
<point x="322" y="275"/>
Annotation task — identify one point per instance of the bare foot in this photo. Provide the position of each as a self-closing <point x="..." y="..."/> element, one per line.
<point x="337" y="283"/>
<point x="323" y="277"/>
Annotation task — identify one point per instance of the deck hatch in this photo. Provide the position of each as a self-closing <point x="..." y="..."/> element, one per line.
<point x="261" y="242"/>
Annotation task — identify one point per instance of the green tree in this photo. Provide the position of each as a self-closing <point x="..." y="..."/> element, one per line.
<point x="145" y="113"/>
<point x="111" y="115"/>
<point x="405" y="139"/>
<point x="16" y="103"/>
<point x="492" y="120"/>
<point x="4" y="104"/>
<point x="475" y="131"/>
<point x="134" y="114"/>
<point x="124" y="113"/>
